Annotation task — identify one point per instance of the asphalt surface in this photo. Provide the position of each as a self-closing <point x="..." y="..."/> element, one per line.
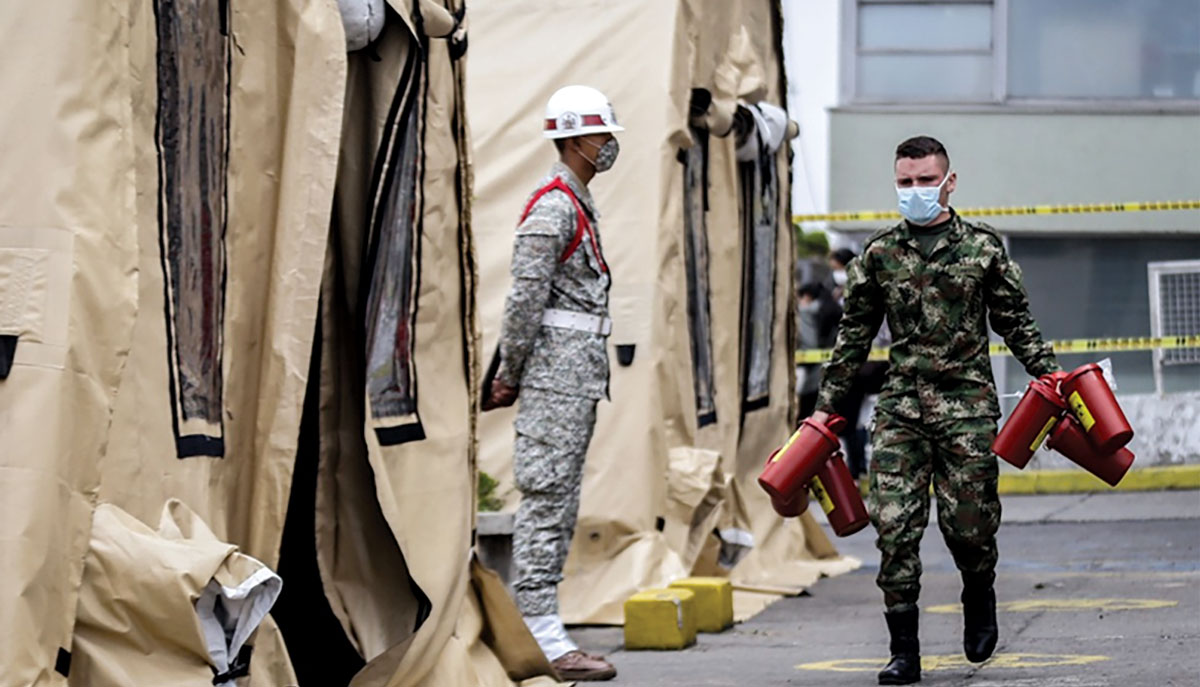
<point x="1095" y="590"/>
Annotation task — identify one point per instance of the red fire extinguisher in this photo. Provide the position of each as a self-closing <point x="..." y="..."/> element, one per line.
<point x="838" y="494"/>
<point x="793" y="506"/>
<point x="1037" y="413"/>
<point x="1093" y="404"/>
<point x="794" y="465"/>
<point x="1069" y="439"/>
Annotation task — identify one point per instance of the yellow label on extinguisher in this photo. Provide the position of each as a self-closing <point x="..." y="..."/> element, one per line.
<point x="819" y="493"/>
<point x="1081" y="411"/>
<point x="1042" y="434"/>
<point x="780" y="452"/>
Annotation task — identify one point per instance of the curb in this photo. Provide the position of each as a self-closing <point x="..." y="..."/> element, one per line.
<point x="1079" y="481"/>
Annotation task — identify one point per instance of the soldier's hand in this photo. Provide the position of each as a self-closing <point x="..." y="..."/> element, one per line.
<point x="502" y="396"/>
<point x="820" y="416"/>
<point x="1053" y="379"/>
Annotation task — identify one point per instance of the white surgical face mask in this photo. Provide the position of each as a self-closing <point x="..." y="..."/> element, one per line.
<point x="840" y="278"/>
<point x="919" y="204"/>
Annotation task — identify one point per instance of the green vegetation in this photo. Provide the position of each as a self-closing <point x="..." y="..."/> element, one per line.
<point x="811" y="244"/>
<point x="486" y="493"/>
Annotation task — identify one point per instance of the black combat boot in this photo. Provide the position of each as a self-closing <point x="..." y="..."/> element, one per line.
<point x="905" y="666"/>
<point x="980" y="632"/>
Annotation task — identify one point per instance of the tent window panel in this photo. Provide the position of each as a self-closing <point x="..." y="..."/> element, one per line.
<point x="192" y="138"/>
<point x="695" y="202"/>
<point x="395" y="275"/>
<point x="760" y="226"/>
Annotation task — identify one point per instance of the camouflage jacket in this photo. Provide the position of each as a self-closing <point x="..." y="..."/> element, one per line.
<point x="540" y="357"/>
<point x="938" y="309"/>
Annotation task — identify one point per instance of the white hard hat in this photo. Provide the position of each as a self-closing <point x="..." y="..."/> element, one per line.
<point x="579" y="111"/>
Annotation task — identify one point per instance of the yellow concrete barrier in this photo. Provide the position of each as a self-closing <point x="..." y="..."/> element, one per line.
<point x="1080" y="481"/>
<point x="660" y="619"/>
<point x="714" y="602"/>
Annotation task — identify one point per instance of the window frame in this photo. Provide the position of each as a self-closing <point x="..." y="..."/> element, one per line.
<point x="697" y="269"/>
<point x="1155" y="271"/>
<point x="1000" y="100"/>
<point x="198" y="434"/>
<point x="753" y="182"/>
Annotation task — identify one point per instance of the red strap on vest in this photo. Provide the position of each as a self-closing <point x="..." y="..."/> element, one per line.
<point x="582" y="225"/>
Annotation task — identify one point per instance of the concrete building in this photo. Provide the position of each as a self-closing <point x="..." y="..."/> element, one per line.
<point x="1039" y="102"/>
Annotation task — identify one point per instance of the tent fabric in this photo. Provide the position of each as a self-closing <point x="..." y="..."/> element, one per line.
<point x="163" y="256"/>
<point x="173" y="606"/>
<point x="68" y="293"/>
<point x="280" y="181"/>
<point x="396" y="479"/>
<point x="644" y="466"/>
<point x="259" y="243"/>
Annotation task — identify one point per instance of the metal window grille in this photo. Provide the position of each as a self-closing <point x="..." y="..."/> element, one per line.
<point x="1174" y="310"/>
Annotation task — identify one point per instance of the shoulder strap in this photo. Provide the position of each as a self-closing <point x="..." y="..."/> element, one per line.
<point x="582" y="225"/>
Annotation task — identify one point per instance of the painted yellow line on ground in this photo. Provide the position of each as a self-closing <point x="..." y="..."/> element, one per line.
<point x="1105" y="345"/>
<point x="958" y="662"/>
<point x="1066" y="605"/>
<point x="1167" y="477"/>
<point x="1009" y="211"/>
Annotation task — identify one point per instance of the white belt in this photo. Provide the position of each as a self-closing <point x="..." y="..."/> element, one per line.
<point x="578" y="321"/>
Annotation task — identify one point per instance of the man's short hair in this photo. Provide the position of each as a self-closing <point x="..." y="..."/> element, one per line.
<point x="918" y="147"/>
<point x="812" y="289"/>
<point x="843" y="256"/>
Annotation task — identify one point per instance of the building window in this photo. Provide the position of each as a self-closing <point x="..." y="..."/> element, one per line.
<point x="937" y="51"/>
<point x="1174" y="311"/>
<point x="980" y="51"/>
<point x="695" y="240"/>
<point x="393" y="258"/>
<point x="192" y="138"/>
<point x="1144" y="49"/>
<point x="760" y="227"/>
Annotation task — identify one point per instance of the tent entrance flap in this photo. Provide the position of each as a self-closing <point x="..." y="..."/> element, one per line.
<point x="316" y="641"/>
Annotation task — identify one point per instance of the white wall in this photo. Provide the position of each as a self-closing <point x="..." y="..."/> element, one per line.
<point x="810" y="45"/>
<point x="1028" y="158"/>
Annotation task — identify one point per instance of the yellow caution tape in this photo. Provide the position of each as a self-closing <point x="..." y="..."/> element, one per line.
<point x="821" y="355"/>
<point x="874" y="216"/>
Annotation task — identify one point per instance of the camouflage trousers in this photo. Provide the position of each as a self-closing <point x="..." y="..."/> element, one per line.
<point x="956" y="456"/>
<point x="553" y="432"/>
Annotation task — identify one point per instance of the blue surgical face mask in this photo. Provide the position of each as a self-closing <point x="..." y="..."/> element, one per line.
<point x="919" y="204"/>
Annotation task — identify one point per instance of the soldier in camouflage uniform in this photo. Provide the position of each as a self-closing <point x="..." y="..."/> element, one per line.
<point x="553" y="353"/>
<point x="939" y="280"/>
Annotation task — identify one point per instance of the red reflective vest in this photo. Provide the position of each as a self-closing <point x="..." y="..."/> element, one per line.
<point x="582" y="225"/>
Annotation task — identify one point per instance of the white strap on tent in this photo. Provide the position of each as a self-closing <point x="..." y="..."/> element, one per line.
<point x="580" y="322"/>
<point x="737" y="536"/>
<point x="242" y="609"/>
<point x="551" y="635"/>
<point x="770" y="128"/>
<point x="735" y="544"/>
<point x="363" y="21"/>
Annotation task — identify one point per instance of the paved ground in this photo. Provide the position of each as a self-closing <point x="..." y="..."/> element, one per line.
<point x="1102" y="590"/>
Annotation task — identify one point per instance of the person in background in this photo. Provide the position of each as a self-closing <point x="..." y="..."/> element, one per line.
<point x="838" y="260"/>
<point x="817" y="317"/>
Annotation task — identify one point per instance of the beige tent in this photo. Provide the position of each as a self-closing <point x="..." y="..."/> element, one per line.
<point x="172" y="176"/>
<point x="68" y="294"/>
<point x="701" y="371"/>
